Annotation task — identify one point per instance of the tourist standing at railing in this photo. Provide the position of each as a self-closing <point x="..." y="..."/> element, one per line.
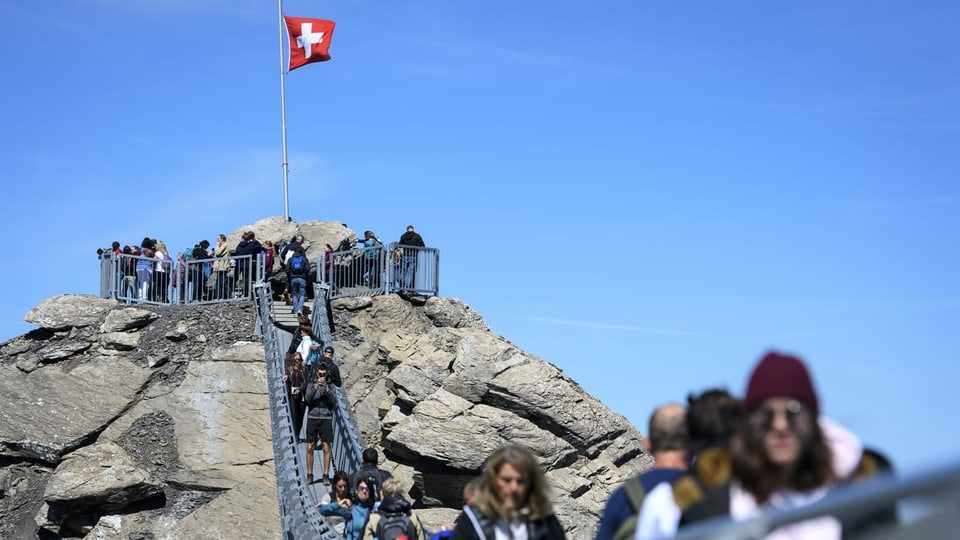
<point x="409" y="269"/>
<point x="199" y="270"/>
<point x="371" y="259"/>
<point x="145" y="268"/>
<point x="248" y="250"/>
<point x="340" y="495"/>
<point x="221" y="269"/>
<point x="328" y="274"/>
<point x="268" y="253"/>
<point x="128" y="266"/>
<point x="512" y="501"/>
<point x="785" y="455"/>
<point x="180" y="278"/>
<point x="161" y="277"/>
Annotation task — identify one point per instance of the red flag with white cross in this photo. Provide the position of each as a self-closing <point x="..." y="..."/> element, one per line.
<point x="309" y="40"/>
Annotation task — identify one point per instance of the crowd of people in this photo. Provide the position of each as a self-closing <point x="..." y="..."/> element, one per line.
<point x="148" y="272"/>
<point x="721" y="455"/>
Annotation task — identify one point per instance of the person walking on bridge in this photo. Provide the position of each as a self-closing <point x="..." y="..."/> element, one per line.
<point x="321" y="401"/>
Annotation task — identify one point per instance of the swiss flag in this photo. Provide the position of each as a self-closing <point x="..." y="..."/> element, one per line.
<point x="309" y="40"/>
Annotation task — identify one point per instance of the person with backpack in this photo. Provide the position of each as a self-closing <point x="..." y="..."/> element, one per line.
<point x="393" y="519"/>
<point x="297" y="269"/>
<point x="368" y="471"/>
<point x="666" y="441"/>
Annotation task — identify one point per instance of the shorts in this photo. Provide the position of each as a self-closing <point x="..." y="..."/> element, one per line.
<point x="320" y="430"/>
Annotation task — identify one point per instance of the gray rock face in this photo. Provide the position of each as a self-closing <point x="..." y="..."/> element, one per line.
<point x="69" y="311"/>
<point x="120" y="413"/>
<point x="51" y="411"/>
<point x="125" y="319"/>
<point x="99" y="476"/>
<point x="437" y="392"/>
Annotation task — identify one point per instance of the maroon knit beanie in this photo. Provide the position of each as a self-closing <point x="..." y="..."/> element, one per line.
<point x="779" y="375"/>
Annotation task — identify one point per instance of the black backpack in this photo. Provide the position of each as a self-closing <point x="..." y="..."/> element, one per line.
<point x="396" y="526"/>
<point x="373" y="483"/>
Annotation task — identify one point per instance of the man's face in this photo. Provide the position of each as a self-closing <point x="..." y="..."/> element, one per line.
<point x="786" y="427"/>
<point x="328" y="354"/>
<point x="513" y="486"/>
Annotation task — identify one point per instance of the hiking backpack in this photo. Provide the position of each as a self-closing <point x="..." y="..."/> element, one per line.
<point x="373" y="483"/>
<point x="396" y="526"/>
<point x="633" y="488"/>
<point x="297" y="264"/>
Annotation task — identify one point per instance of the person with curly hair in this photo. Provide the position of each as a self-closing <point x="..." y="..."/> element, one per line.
<point x="512" y="500"/>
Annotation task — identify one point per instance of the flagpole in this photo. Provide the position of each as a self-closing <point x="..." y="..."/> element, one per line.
<point x="283" y="119"/>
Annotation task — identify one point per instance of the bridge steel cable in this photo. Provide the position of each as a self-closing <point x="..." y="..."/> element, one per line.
<point x="348" y="443"/>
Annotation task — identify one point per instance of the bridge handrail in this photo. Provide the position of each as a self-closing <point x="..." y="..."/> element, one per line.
<point x="348" y="443"/>
<point x="858" y="500"/>
<point x="298" y="516"/>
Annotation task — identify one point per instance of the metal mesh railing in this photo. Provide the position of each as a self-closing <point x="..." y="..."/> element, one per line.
<point x="939" y="488"/>
<point x="298" y="516"/>
<point x="380" y="270"/>
<point x="144" y="280"/>
<point x="348" y="443"/>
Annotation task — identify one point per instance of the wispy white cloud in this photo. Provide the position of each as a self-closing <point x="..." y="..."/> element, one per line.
<point x="610" y="326"/>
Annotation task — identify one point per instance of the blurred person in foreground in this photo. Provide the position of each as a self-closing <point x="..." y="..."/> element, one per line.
<point x="512" y="500"/>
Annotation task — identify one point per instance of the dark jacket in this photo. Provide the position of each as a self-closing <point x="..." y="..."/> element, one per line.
<point x="548" y="528"/>
<point x="411" y="238"/>
<point x="321" y="401"/>
<point x="333" y="371"/>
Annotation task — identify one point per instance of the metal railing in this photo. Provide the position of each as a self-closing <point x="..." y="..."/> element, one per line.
<point x="348" y="443"/>
<point x="381" y="270"/>
<point x="298" y="515"/>
<point x="939" y="488"/>
<point x="143" y="280"/>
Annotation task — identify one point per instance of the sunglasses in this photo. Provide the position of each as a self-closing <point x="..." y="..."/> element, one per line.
<point x="762" y="419"/>
<point x="362" y="488"/>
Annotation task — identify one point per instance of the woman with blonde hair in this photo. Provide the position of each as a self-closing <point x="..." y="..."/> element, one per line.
<point x="512" y="500"/>
<point x="161" y="274"/>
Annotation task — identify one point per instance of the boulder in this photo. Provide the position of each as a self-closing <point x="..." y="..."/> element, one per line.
<point x="69" y="311"/>
<point x="101" y="476"/>
<point x="48" y="412"/>
<point x="122" y="320"/>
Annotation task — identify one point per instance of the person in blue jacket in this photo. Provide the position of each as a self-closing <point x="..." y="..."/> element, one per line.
<point x="355" y="511"/>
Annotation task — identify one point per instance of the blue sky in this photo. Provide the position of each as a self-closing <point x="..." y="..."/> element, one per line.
<point x="647" y="194"/>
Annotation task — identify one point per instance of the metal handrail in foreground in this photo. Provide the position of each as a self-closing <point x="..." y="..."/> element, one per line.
<point x="298" y="516"/>
<point x="348" y="443"/>
<point x="940" y="486"/>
